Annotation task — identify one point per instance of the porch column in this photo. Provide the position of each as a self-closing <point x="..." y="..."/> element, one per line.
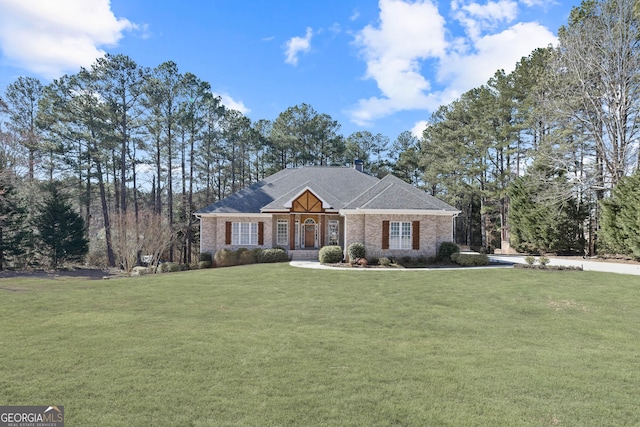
<point x="292" y="232"/>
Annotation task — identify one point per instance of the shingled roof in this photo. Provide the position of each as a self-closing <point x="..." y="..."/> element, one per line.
<point x="340" y="187"/>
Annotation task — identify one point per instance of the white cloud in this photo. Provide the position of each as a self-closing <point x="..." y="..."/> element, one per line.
<point x="418" y="128"/>
<point x="463" y="71"/>
<point x="231" y="103"/>
<point x="50" y="38"/>
<point x="412" y="32"/>
<point x="296" y="45"/>
<point x="476" y="17"/>
<point x="407" y="34"/>
<point x="543" y="3"/>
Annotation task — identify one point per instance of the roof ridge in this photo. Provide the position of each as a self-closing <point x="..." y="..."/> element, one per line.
<point x="377" y="195"/>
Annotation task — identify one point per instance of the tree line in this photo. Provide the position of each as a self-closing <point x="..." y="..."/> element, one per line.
<point x="133" y="145"/>
<point x="531" y="158"/>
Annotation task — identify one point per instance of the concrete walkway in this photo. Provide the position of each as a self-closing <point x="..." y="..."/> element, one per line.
<point x="507" y="260"/>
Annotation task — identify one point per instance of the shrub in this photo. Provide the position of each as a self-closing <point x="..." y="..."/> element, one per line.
<point x="530" y="260"/>
<point x="543" y="260"/>
<point x="205" y="256"/>
<point x="422" y="260"/>
<point x="330" y="254"/>
<point x="446" y="250"/>
<point x="139" y="271"/>
<point x="225" y="258"/>
<point x="205" y="264"/>
<point x="470" y="260"/>
<point x="355" y="251"/>
<point x="272" y="255"/>
<point x="245" y="256"/>
<point x="384" y="261"/>
<point x="169" y="267"/>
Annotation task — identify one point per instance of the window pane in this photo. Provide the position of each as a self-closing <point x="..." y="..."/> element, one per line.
<point x="394" y="230"/>
<point x="406" y="235"/>
<point x="282" y="232"/>
<point x="235" y="233"/>
<point x="253" y="233"/>
<point x="400" y="235"/>
<point x="244" y="233"/>
<point x="333" y="232"/>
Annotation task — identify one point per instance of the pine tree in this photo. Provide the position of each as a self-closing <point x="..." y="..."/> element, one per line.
<point x="620" y="226"/>
<point x="13" y="233"/>
<point x="543" y="216"/>
<point x="61" y="231"/>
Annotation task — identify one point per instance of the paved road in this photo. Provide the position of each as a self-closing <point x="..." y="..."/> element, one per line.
<point x="587" y="265"/>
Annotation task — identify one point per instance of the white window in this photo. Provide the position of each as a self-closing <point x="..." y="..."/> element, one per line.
<point x="399" y="235"/>
<point x="282" y="232"/>
<point x="333" y="232"/>
<point x="244" y="233"/>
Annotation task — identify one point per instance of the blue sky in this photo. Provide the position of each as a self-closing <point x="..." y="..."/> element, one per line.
<point x="382" y="66"/>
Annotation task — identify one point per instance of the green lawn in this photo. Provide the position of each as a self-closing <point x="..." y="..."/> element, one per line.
<point x="273" y="345"/>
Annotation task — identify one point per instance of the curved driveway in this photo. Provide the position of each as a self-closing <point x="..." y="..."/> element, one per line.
<point x="587" y="265"/>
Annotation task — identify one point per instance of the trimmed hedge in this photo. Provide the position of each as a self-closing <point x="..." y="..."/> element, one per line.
<point x="205" y="256"/>
<point x="271" y="255"/>
<point x="225" y="258"/>
<point x="245" y="256"/>
<point x="470" y="260"/>
<point x="446" y="250"/>
<point x="330" y="254"/>
<point x="356" y="251"/>
<point x="205" y="264"/>
<point x="169" y="267"/>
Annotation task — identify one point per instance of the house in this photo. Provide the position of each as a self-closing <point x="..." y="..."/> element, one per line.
<point x="303" y="209"/>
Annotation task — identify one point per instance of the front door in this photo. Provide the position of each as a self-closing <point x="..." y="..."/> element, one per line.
<point x="309" y="233"/>
<point x="309" y="236"/>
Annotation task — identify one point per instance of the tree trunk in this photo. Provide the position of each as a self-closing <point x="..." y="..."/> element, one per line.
<point x="105" y="214"/>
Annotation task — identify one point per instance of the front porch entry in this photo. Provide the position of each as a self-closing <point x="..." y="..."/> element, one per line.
<point x="308" y="221"/>
<point x="310" y="233"/>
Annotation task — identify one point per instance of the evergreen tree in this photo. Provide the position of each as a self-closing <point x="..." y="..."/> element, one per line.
<point x="61" y="231"/>
<point x="13" y="232"/>
<point x="544" y="217"/>
<point x="620" y="226"/>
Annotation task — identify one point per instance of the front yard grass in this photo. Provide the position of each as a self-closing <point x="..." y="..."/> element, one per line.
<point x="272" y="345"/>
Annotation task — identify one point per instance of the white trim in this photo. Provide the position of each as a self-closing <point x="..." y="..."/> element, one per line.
<point x="346" y="212"/>
<point x="289" y="204"/>
<point x="281" y="212"/>
<point x="234" y="215"/>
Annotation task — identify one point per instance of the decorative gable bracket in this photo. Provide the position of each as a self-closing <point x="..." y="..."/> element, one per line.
<point x="307" y="201"/>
